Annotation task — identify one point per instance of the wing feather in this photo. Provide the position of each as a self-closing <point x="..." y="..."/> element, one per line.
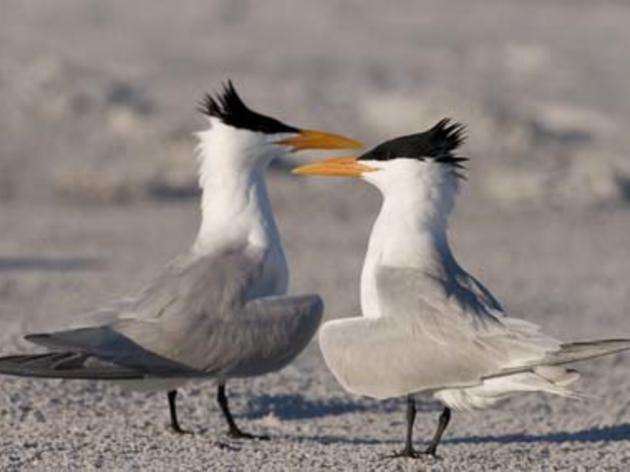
<point x="432" y="334"/>
<point x="70" y="365"/>
<point x="195" y="320"/>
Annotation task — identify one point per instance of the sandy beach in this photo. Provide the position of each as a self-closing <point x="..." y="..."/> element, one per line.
<point x="98" y="192"/>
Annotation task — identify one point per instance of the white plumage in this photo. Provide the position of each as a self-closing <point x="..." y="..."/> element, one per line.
<point x="219" y="311"/>
<point x="427" y="325"/>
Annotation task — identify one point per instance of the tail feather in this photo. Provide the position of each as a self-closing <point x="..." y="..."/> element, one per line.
<point x="64" y="365"/>
<point x="546" y="375"/>
<point x="548" y="379"/>
<point x="570" y="352"/>
<point x="579" y="351"/>
<point x="559" y="381"/>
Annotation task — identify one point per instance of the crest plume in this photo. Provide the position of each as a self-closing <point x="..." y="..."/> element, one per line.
<point x="231" y="110"/>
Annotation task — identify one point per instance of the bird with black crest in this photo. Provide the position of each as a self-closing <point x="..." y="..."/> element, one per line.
<point x="220" y="310"/>
<point x="427" y="325"/>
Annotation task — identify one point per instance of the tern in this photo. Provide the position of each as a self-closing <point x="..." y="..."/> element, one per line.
<point x="220" y="310"/>
<point x="427" y="325"/>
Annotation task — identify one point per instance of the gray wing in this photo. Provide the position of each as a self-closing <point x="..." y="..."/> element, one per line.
<point x="70" y="365"/>
<point x="459" y="312"/>
<point x="155" y="331"/>
<point x="430" y="336"/>
<point x="104" y="344"/>
<point x="220" y="280"/>
<point x="194" y="319"/>
<point x="268" y="335"/>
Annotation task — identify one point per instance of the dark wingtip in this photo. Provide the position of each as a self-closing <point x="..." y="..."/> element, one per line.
<point x="35" y="337"/>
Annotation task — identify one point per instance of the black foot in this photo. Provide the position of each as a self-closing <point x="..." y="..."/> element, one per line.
<point x="225" y="447"/>
<point x="178" y="430"/>
<point x="410" y="453"/>
<point x="431" y="451"/>
<point x="238" y="434"/>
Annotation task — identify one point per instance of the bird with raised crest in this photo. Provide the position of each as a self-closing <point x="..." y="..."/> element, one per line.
<point x="427" y="325"/>
<point x="219" y="311"/>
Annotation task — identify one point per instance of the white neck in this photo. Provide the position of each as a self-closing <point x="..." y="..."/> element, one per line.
<point x="235" y="206"/>
<point x="410" y="231"/>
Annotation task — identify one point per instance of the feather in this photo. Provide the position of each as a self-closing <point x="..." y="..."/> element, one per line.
<point x="231" y="110"/>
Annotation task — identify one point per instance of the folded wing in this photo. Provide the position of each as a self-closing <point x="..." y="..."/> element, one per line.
<point x="432" y="334"/>
<point x="193" y="320"/>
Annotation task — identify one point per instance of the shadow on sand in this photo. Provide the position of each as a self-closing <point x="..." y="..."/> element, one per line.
<point x="294" y="407"/>
<point x="49" y="264"/>
<point x="609" y="434"/>
<point x="615" y="433"/>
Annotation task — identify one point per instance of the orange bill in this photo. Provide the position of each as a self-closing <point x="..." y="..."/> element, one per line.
<point x="310" y="139"/>
<point x="338" y="166"/>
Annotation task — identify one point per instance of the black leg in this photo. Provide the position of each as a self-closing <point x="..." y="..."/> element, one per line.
<point x="431" y="450"/>
<point x="411" y="418"/>
<point x="234" y="431"/>
<point x="445" y="417"/>
<point x="409" y="451"/>
<point x="172" y="408"/>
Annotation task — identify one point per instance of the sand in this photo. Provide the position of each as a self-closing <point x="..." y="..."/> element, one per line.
<point x="97" y="193"/>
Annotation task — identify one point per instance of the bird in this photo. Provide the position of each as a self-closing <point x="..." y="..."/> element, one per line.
<point x="218" y="311"/>
<point x="428" y="326"/>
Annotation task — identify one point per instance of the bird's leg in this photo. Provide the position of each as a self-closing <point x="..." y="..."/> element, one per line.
<point x="408" y="451"/>
<point x="411" y="418"/>
<point x="172" y="394"/>
<point x="234" y="431"/>
<point x="445" y="417"/>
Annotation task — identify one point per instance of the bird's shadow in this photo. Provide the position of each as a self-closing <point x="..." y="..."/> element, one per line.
<point x="620" y="432"/>
<point x="295" y="407"/>
<point x="49" y="264"/>
<point x="615" y="433"/>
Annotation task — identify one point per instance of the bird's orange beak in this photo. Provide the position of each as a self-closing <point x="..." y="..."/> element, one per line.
<point x="311" y="139"/>
<point x="338" y="166"/>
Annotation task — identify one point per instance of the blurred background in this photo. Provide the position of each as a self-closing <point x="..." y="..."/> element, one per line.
<point x="99" y="96"/>
<point x="97" y="167"/>
<point x="98" y="189"/>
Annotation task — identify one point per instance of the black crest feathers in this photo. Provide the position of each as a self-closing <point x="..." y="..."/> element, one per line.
<point x="438" y="143"/>
<point x="231" y="110"/>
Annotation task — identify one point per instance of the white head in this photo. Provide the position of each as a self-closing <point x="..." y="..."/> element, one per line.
<point x="419" y="168"/>
<point x="243" y="140"/>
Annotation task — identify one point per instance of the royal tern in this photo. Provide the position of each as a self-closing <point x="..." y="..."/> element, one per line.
<point x="428" y="326"/>
<point x="219" y="311"/>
